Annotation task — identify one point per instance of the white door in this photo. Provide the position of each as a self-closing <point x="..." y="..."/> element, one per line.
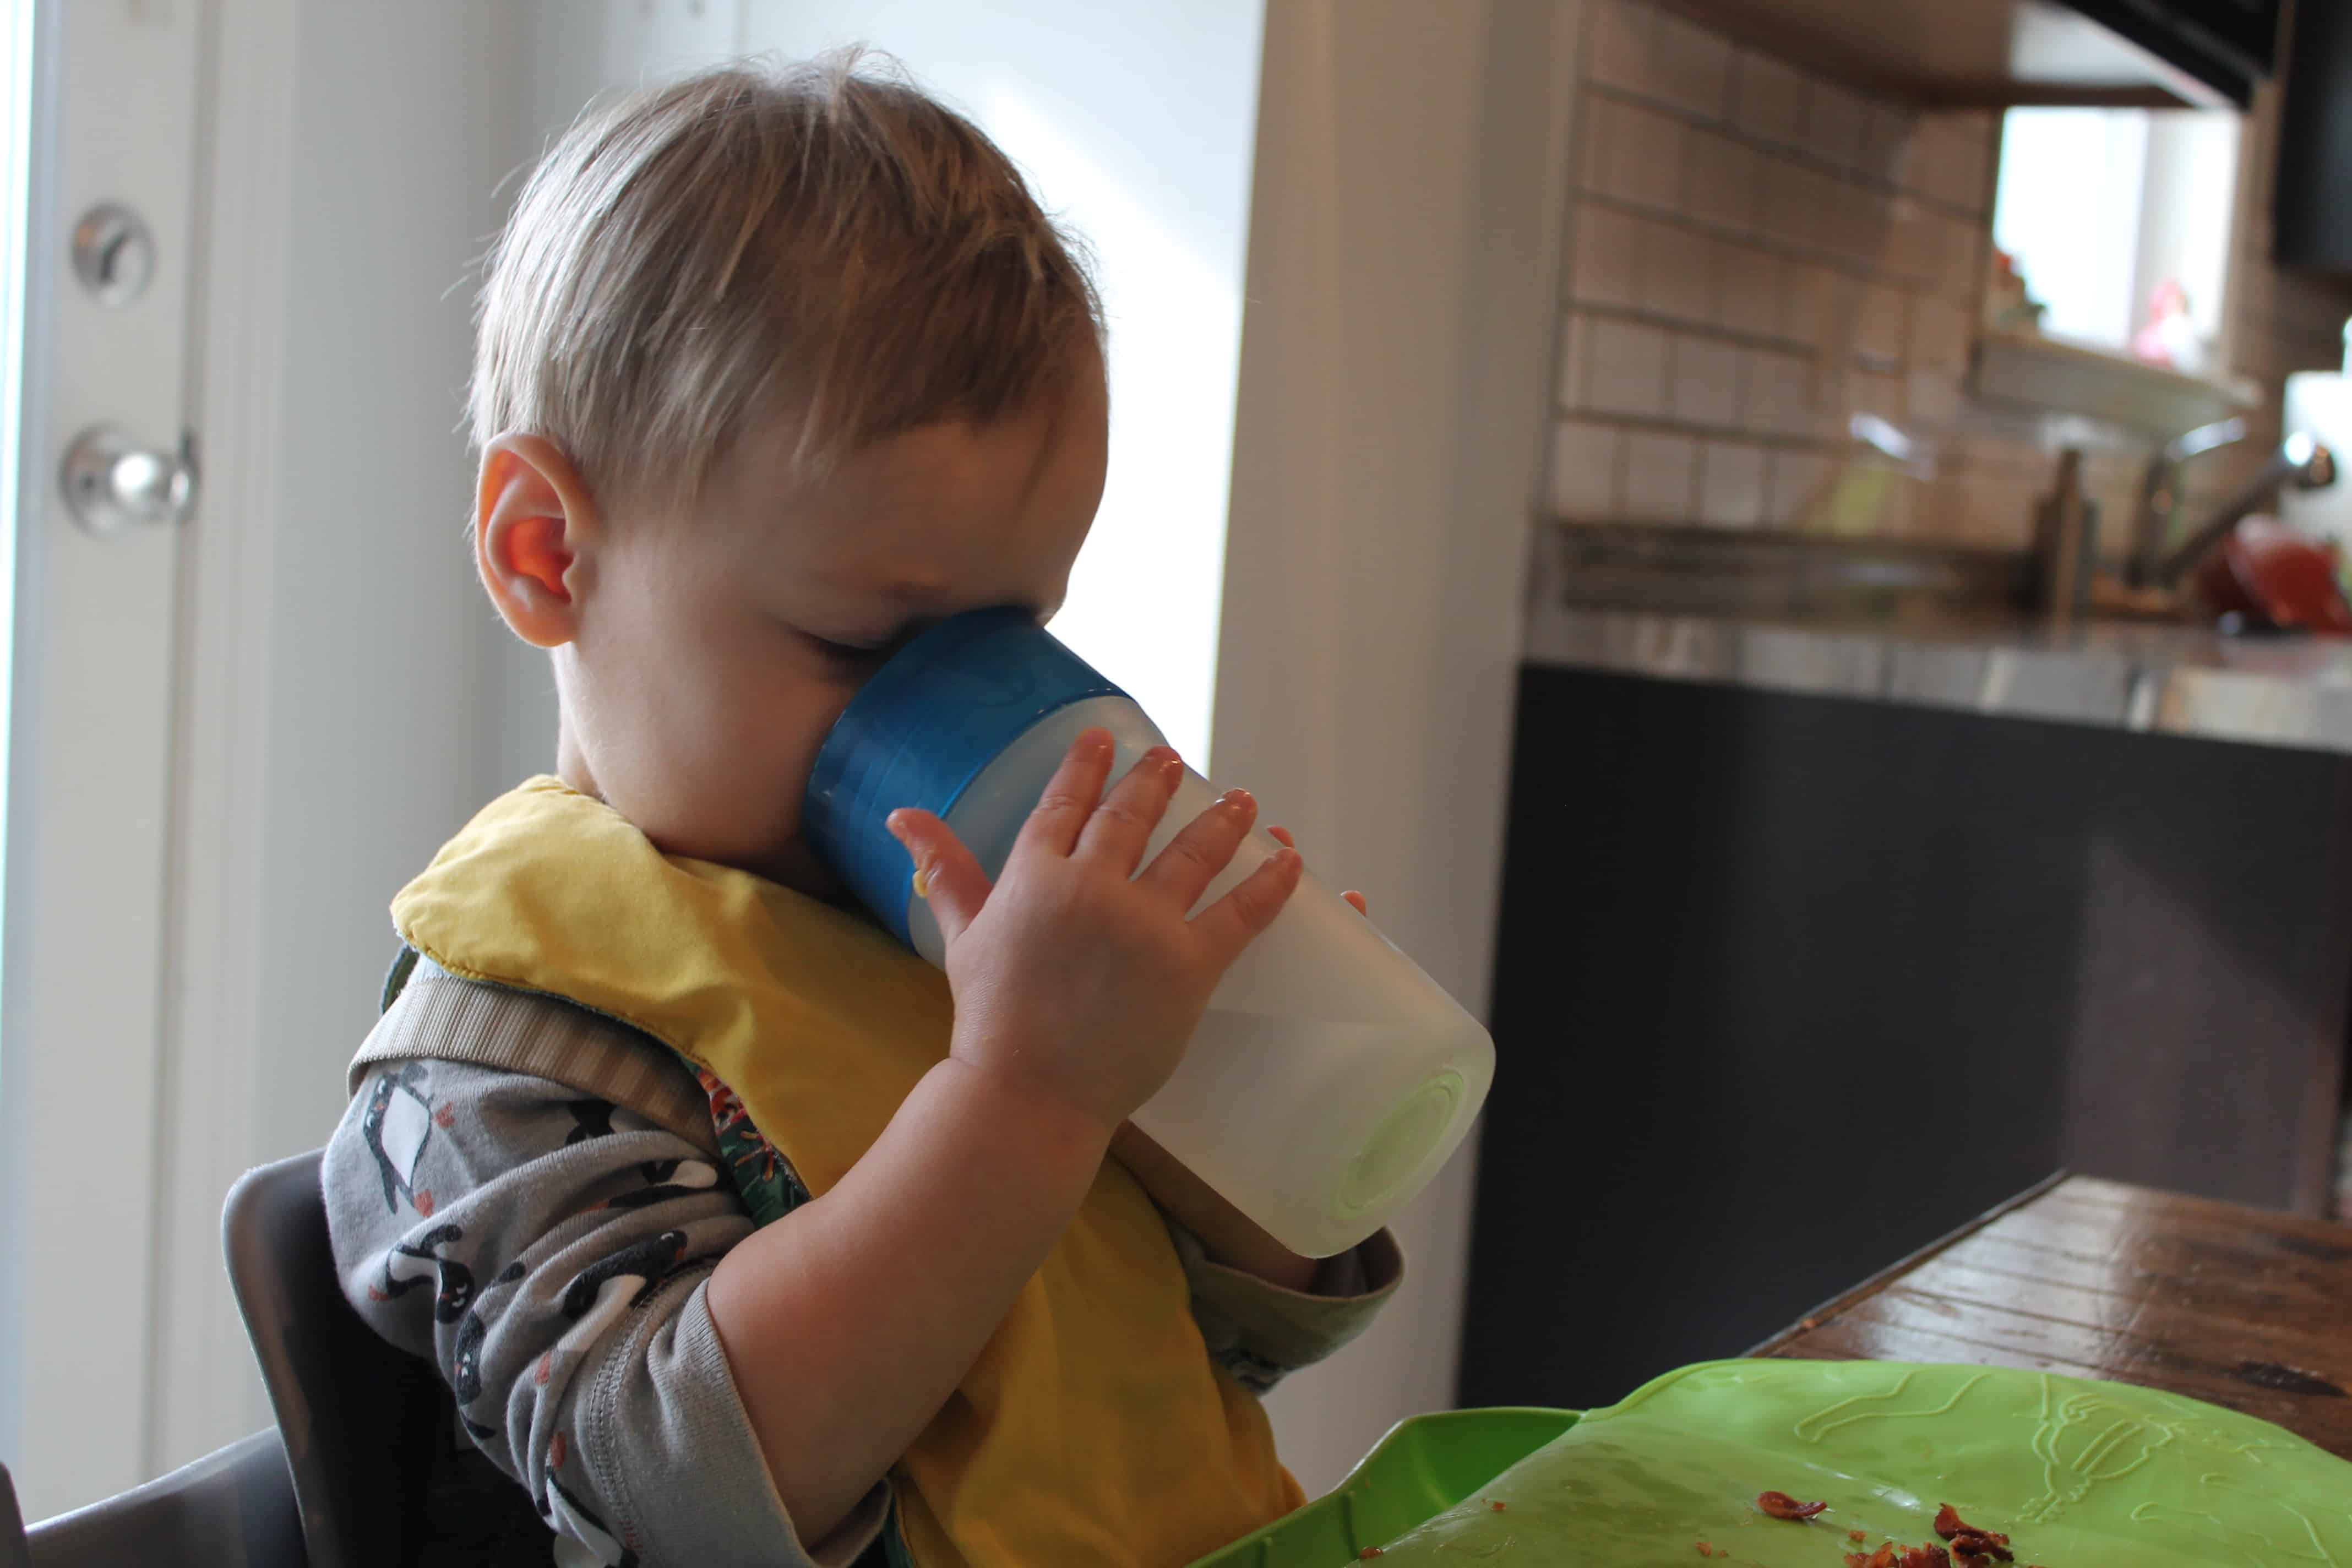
<point x="101" y="158"/>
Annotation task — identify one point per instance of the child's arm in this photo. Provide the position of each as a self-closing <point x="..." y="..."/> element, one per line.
<point x="849" y="1321"/>
<point x="550" y="1253"/>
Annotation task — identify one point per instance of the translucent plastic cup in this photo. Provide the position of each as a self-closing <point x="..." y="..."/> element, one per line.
<point x="1329" y="1078"/>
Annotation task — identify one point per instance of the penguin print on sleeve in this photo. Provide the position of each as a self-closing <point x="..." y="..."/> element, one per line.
<point x="397" y="1125"/>
<point x="410" y="1263"/>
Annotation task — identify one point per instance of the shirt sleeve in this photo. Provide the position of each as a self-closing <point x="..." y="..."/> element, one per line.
<point x="550" y="1253"/>
<point x="1261" y="1331"/>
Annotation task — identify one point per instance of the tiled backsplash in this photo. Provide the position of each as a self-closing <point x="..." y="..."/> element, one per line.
<point x="1756" y="256"/>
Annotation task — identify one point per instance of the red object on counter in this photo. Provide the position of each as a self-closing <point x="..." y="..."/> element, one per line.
<point x="2274" y="576"/>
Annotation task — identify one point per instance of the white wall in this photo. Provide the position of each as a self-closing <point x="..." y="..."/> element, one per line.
<point x="1134" y="122"/>
<point x="1405" y="232"/>
<point x="385" y="718"/>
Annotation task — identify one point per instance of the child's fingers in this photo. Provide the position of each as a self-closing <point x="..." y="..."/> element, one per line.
<point x="1355" y="899"/>
<point x="1122" y="824"/>
<point x="1070" y="796"/>
<point x="1191" y="860"/>
<point x="1230" y="923"/>
<point x="945" y="871"/>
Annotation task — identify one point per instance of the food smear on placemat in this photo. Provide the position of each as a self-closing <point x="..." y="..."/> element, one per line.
<point x="1785" y="1464"/>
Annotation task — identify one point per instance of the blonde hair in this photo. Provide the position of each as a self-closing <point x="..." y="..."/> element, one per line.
<point x="813" y="242"/>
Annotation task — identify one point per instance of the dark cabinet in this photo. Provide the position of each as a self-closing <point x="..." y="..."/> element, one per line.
<point x="2312" y="211"/>
<point x="2153" y="53"/>
<point x="1788" y="986"/>
<point x="2228" y="45"/>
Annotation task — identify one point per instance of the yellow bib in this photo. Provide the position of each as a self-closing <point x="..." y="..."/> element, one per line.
<point x="1094" y="1428"/>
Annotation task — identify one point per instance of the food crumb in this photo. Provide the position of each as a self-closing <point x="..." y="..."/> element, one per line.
<point x="1857" y="1535"/>
<point x="1704" y="1550"/>
<point x="1498" y="1507"/>
<point x="1780" y="1505"/>
<point x="1369" y="1553"/>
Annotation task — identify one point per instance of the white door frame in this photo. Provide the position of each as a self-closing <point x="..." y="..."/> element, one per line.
<point x="130" y="1005"/>
<point x="206" y="1389"/>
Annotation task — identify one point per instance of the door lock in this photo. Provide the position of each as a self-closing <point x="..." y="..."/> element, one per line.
<point x="115" y="485"/>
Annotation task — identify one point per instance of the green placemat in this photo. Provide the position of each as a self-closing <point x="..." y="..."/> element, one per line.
<point x="2080" y="1475"/>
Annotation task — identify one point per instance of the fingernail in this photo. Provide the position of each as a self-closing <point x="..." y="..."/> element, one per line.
<point x="923" y="883"/>
<point x="1236" y="798"/>
<point x="896" y="824"/>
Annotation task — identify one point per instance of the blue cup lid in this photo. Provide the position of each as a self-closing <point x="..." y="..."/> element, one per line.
<point x="920" y="729"/>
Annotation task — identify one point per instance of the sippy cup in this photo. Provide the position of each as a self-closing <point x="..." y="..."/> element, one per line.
<point x="1330" y="1078"/>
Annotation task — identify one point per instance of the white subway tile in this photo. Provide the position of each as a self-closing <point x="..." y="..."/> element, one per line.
<point x="1879" y="393"/>
<point x="1960" y="259"/>
<point x="1749" y="289"/>
<point x="1620" y="44"/>
<point x="1890" y="143"/>
<point x="1797" y="487"/>
<point x="1912" y="241"/>
<point x="1624" y="367"/>
<point x="1584" y="464"/>
<point x="1797" y="204"/>
<point x="1898" y="506"/>
<point x="1731" y="492"/>
<point x="1952" y="164"/>
<point x="1936" y="398"/>
<point x="1819" y="305"/>
<point x="1639" y="153"/>
<point x="1602" y="265"/>
<point x="1780" y="393"/>
<point x="1722" y="182"/>
<point x="1940" y="334"/>
<point x="1834" y="124"/>
<point x="1866" y="228"/>
<point x="1675" y="278"/>
<point x="1880" y="327"/>
<point x="1709" y="383"/>
<point x="1661" y="477"/>
<point x="1568" y="371"/>
<point x="1691" y="66"/>
<point x="1768" y="100"/>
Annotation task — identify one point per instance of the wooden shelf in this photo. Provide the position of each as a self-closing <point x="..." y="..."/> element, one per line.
<point x="2051" y="376"/>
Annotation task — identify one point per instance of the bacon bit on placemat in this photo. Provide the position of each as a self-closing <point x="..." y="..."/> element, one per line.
<point x="1971" y="1547"/>
<point x="1780" y="1505"/>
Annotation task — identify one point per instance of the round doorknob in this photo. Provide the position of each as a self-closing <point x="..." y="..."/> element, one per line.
<point x="113" y="484"/>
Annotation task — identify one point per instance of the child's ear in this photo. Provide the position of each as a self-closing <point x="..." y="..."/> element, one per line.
<point x="535" y="529"/>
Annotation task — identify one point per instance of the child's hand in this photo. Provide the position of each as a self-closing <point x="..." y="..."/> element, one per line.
<point x="1072" y="976"/>
<point x="1355" y="899"/>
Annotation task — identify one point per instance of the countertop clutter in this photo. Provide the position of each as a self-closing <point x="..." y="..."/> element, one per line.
<point x="2276" y="691"/>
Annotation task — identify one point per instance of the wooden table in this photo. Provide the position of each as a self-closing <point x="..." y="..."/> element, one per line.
<point x="2240" y="1306"/>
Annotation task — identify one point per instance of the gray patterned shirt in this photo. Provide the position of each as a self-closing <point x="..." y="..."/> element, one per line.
<point x="549" y="1251"/>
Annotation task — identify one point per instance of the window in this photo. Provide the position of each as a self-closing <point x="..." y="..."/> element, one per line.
<point x="2118" y="221"/>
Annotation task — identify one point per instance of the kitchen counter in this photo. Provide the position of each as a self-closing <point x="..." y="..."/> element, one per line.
<point x="2266" y="690"/>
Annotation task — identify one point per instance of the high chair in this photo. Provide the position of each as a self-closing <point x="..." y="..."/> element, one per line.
<point x="357" y="1416"/>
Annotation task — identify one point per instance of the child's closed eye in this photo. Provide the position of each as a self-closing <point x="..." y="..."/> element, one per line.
<point x="847" y="658"/>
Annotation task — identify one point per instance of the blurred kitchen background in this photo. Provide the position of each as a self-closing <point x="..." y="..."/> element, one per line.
<point x="1675" y="501"/>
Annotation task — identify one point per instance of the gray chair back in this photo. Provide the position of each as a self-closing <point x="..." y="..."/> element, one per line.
<point x="357" y="1416"/>
<point x="13" y="1553"/>
<point x="232" y="1509"/>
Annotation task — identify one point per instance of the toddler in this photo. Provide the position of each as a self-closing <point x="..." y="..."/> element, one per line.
<point x="738" y="1232"/>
